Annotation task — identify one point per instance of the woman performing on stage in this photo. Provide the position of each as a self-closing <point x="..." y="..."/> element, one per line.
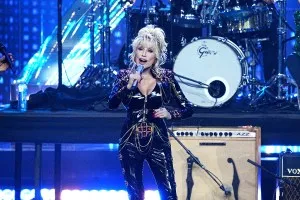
<point x="150" y="95"/>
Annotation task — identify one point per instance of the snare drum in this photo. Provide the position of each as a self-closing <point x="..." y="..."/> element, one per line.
<point x="216" y="62"/>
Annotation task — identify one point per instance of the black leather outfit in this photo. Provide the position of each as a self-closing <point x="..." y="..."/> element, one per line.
<point x="144" y="137"/>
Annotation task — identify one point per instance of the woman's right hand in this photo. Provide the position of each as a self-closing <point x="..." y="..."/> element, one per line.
<point x="132" y="77"/>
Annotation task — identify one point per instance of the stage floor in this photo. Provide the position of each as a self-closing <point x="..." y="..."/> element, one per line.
<point x="82" y="126"/>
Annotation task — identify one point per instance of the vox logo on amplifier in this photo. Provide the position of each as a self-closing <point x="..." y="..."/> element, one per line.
<point x="290" y="165"/>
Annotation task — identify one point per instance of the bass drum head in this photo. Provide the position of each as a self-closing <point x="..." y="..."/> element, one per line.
<point x="213" y="61"/>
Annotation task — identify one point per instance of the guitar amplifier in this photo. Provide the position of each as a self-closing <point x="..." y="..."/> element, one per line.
<point x="289" y="169"/>
<point x="222" y="150"/>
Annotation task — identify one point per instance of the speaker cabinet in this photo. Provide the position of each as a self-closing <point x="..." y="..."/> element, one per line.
<point x="289" y="170"/>
<point x="223" y="151"/>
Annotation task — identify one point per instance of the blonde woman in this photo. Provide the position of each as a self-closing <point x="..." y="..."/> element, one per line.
<point x="144" y="134"/>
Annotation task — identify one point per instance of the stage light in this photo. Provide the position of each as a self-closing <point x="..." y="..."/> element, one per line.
<point x="27" y="194"/>
<point x="271" y="149"/>
<point x="49" y="194"/>
<point x="7" y="194"/>
<point x="149" y="195"/>
<point x="113" y="147"/>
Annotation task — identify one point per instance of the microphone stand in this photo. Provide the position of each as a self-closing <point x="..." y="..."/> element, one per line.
<point x="212" y="88"/>
<point x="192" y="158"/>
<point x="202" y="85"/>
<point x="189" y="177"/>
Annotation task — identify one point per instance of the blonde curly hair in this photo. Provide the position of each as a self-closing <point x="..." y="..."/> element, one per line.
<point x="155" y="35"/>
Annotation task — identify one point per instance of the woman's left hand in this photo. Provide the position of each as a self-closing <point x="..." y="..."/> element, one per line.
<point x="162" y="113"/>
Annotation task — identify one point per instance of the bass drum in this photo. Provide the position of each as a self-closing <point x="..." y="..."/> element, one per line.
<point x="209" y="71"/>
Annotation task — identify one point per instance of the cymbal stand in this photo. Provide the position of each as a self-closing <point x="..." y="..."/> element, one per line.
<point x="281" y="31"/>
<point x="212" y="17"/>
<point x="90" y="24"/>
<point x="208" y="16"/>
<point x="107" y="35"/>
<point x="83" y="81"/>
<point x="128" y="30"/>
<point x="253" y="60"/>
<point x="280" y="79"/>
<point x="104" y="29"/>
<point x="102" y="35"/>
<point x="147" y="19"/>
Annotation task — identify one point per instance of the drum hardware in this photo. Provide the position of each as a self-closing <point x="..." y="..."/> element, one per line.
<point x="195" y="13"/>
<point x="91" y="26"/>
<point x="106" y="77"/>
<point x="251" y="49"/>
<point x="147" y="19"/>
<point x="280" y="83"/>
<point x="104" y="30"/>
<point x="212" y="17"/>
<point x="244" y="19"/>
<point x="98" y="75"/>
<point x="127" y="9"/>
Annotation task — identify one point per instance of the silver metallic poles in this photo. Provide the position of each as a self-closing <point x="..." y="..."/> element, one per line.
<point x="104" y="29"/>
<point x="281" y="31"/>
<point x="107" y="35"/>
<point x="90" y="24"/>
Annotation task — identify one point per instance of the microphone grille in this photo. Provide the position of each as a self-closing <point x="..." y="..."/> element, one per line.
<point x="139" y="68"/>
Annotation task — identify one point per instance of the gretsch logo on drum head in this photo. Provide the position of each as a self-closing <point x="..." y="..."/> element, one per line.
<point x="204" y="51"/>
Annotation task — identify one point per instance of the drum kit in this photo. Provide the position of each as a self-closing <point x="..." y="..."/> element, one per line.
<point x="215" y="46"/>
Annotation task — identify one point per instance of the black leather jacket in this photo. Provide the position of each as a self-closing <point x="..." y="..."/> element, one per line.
<point x="140" y="108"/>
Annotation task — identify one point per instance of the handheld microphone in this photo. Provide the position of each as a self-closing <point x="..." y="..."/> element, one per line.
<point x="7" y="58"/>
<point x="139" y="69"/>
